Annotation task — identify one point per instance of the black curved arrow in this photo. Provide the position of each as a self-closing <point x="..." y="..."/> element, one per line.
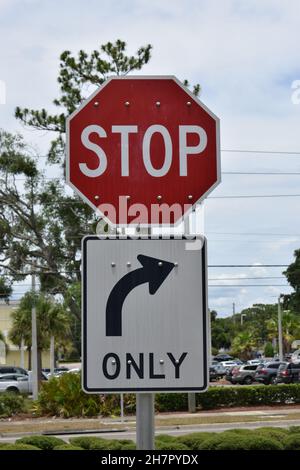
<point x="153" y="270"/>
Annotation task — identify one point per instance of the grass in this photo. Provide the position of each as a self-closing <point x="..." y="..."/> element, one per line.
<point x="40" y="425"/>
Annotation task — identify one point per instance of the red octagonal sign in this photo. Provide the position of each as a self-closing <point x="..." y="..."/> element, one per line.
<point x="143" y="150"/>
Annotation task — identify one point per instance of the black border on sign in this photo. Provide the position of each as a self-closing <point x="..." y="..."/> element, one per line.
<point x="84" y="318"/>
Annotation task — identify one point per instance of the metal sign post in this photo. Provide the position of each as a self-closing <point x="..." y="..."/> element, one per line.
<point x="145" y="430"/>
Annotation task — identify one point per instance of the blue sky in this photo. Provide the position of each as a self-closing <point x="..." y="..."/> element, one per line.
<point x="245" y="56"/>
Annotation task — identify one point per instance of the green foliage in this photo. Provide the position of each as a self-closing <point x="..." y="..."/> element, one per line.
<point x="269" y="350"/>
<point x="18" y="447"/>
<point x="52" y="320"/>
<point x="233" y="441"/>
<point x="97" y="443"/>
<point x="218" y="397"/>
<point x="195" y="439"/>
<point x="165" y="445"/>
<point x="292" y="442"/>
<point x="63" y="396"/>
<point x="42" y="442"/>
<point x="292" y="274"/>
<point x="10" y="404"/>
<point x="67" y="447"/>
<point x="171" y="401"/>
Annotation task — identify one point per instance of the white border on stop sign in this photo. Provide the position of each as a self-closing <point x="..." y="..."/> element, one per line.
<point x="194" y="98"/>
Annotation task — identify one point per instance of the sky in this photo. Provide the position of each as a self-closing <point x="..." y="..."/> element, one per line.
<point x="245" y="55"/>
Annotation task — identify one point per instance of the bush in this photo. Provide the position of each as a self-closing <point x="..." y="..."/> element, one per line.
<point x="67" y="447"/>
<point x="19" y="447"/>
<point x="10" y="404"/>
<point x="171" y="402"/>
<point x="217" y="397"/>
<point x="42" y="442"/>
<point x="175" y="445"/>
<point x="194" y="440"/>
<point x="292" y="442"/>
<point x="98" y="443"/>
<point x="269" y="350"/>
<point x="63" y="396"/>
<point x="233" y="441"/>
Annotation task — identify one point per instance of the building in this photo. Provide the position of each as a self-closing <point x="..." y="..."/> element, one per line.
<point x="14" y="355"/>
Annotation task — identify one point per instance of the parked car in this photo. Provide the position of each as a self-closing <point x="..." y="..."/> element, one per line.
<point x="216" y="371"/>
<point x="13" y="370"/>
<point x="229" y="365"/>
<point x="17" y="383"/>
<point x="255" y="362"/>
<point x="296" y="356"/>
<point x="288" y="373"/>
<point x="242" y="374"/>
<point x="57" y="371"/>
<point x="267" y="373"/>
<point x="223" y="357"/>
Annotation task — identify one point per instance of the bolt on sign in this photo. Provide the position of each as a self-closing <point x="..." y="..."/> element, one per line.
<point x="143" y="151"/>
<point x="144" y="315"/>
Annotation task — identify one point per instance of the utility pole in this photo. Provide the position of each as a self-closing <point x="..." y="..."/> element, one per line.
<point x="34" y="355"/>
<point x="280" y="345"/>
<point x="233" y="312"/>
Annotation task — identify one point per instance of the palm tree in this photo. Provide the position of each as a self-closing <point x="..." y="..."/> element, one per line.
<point x="243" y="344"/>
<point x="52" y="321"/>
<point x="290" y="329"/>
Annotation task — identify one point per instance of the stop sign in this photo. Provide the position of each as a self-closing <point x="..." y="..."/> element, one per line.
<point x="143" y="150"/>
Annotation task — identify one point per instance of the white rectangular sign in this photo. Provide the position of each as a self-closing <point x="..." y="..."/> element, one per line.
<point x="144" y="315"/>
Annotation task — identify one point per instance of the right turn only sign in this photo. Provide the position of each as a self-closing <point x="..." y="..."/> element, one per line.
<point x="144" y="315"/>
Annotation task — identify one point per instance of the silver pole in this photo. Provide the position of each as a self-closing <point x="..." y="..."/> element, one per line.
<point x="22" y="358"/>
<point x="191" y="396"/>
<point x="145" y="421"/>
<point x="280" y="345"/>
<point x="52" y="355"/>
<point x="145" y="429"/>
<point x="122" y="407"/>
<point x="34" y="356"/>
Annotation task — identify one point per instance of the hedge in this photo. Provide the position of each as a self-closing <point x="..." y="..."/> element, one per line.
<point x="10" y="404"/>
<point x="63" y="396"/>
<point x="218" y="397"/>
<point x="42" y="442"/>
<point x="264" y="438"/>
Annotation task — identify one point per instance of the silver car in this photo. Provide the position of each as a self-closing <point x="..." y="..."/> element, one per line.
<point x="17" y="383"/>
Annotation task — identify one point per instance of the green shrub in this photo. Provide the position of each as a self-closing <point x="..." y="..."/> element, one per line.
<point x="294" y="430"/>
<point x="193" y="441"/>
<point x="42" y="442"/>
<point x="10" y="404"/>
<point x="19" y="447"/>
<point x="217" y="397"/>
<point x="97" y="443"/>
<point x="292" y="442"/>
<point x="129" y="446"/>
<point x="171" y="402"/>
<point x="233" y="441"/>
<point x="67" y="447"/>
<point x="269" y="350"/>
<point x="274" y="433"/>
<point x="175" y="445"/>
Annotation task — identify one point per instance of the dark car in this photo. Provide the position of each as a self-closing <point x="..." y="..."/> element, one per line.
<point x="223" y="357"/>
<point x="288" y="373"/>
<point x="267" y="373"/>
<point x="13" y="370"/>
<point x="243" y="375"/>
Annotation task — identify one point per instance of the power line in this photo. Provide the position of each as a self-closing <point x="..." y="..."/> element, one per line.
<point x="268" y="173"/>
<point x="266" y="152"/>
<point x="248" y="285"/>
<point x="253" y="196"/>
